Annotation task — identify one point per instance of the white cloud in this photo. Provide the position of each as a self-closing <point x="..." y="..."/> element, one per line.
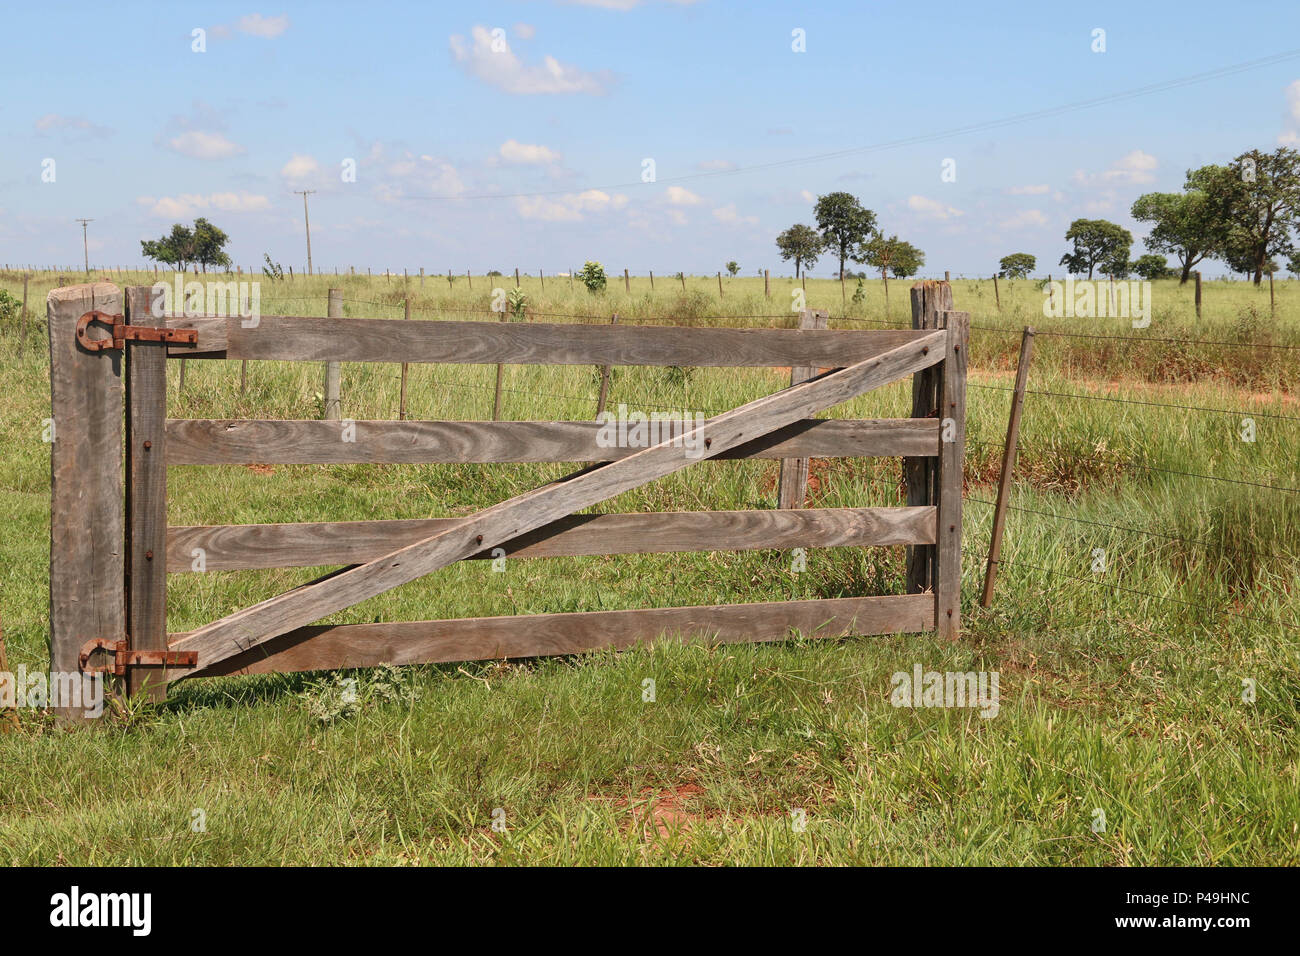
<point x="525" y="31"/>
<point x="1025" y="218"/>
<point x="54" y="122"/>
<point x="680" y="196"/>
<point x="259" y="26"/>
<point x="727" y="214"/>
<point x="422" y="175"/>
<point x="807" y="196"/>
<point x="1035" y="190"/>
<point x="189" y="204"/>
<point x="502" y="69"/>
<point x="513" y="151"/>
<point x="569" y="207"/>
<point x="300" y="167"/>
<point x="200" y="144"/>
<point x="1291" y="135"/>
<point x="931" y="208"/>
<point x="1133" y="168"/>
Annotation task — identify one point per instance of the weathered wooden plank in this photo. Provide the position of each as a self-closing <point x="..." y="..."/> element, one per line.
<point x="529" y="343"/>
<point x="526" y="512"/>
<point x="146" y="496"/>
<point x="952" y="414"/>
<point x="537" y="635"/>
<point x="86" y="537"/>
<point x="792" y="481"/>
<point x="278" y="442"/>
<point x="312" y="544"/>
<point x="929" y="298"/>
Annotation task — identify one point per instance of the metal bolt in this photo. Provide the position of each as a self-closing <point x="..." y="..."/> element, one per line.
<point x="148" y="555"/>
<point x="478" y="539"/>
<point x="148" y="445"/>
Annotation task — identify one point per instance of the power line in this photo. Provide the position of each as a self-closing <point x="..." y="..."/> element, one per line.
<point x="918" y="139"/>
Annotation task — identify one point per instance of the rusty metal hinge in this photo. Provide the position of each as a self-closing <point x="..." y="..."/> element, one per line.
<point x="123" y="657"/>
<point x="121" y="332"/>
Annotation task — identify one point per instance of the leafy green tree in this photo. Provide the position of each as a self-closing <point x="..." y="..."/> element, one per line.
<point x="801" y="243"/>
<point x="893" y="254"/>
<point x="1186" y="225"/>
<point x="1097" y="243"/>
<point x="1258" y="197"/>
<point x="844" y="223"/>
<point x="175" y="249"/>
<point x="1018" y="265"/>
<point x="1293" y="264"/>
<point x="272" y="270"/>
<point x="733" y="268"/>
<point x="208" y="245"/>
<point x="592" y="275"/>
<point x="1152" y="266"/>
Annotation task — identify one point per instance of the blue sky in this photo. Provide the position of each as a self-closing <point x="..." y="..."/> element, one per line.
<point x="531" y="154"/>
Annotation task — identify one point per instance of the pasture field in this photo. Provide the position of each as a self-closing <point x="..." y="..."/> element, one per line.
<point x="1120" y="691"/>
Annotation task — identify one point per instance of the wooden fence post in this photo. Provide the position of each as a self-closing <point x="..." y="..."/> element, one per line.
<point x="516" y="277"/>
<point x="996" y="297"/>
<point x="652" y="280"/>
<point x="929" y="298"/>
<point x="22" y="336"/>
<point x="332" y="369"/>
<point x="86" y="524"/>
<point x="469" y="280"/>
<point x="767" y="284"/>
<point x="719" y="283"/>
<point x="604" y="378"/>
<point x="952" y="447"/>
<point x="401" y="401"/>
<point x="792" y="484"/>
<point x="1197" y="274"/>
<point x="421" y="277"/>
<point x="146" y="496"/>
<point x="682" y="276"/>
<point x="1008" y="465"/>
<point x="541" y="276"/>
<point x="496" y="398"/>
<point x="627" y="283"/>
<point x="1272" y="304"/>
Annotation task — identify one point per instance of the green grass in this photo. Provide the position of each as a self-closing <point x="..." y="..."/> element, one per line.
<point x="1114" y="700"/>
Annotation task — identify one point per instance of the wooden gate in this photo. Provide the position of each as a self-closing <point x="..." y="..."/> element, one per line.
<point x="111" y="551"/>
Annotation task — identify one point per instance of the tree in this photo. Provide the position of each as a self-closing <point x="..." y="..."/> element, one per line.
<point x="844" y="223"/>
<point x="1152" y="266"/>
<point x="1097" y="242"/>
<point x="1186" y="225"/>
<point x="733" y="268"/>
<point x="801" y="243"/>
<point x="1293" y="264"/>
<point x="893" y="254"/>
<point x="592" y="275"/>
<point x="1018" y="265"/>
<point x="208" y="243"/>
<point x="1258" y="197"/>
<point x="175" y="249"/>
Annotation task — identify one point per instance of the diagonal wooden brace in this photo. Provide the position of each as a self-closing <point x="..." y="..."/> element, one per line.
<point x="251" y="626"/>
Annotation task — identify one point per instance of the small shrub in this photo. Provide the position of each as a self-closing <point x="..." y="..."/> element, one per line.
<point x="592" y="276"/>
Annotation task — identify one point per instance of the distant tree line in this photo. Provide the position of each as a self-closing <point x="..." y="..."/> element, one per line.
<point x="850" y="233"/>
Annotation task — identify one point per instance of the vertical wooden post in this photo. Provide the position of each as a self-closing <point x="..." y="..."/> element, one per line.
<point x="86" y="525"/>
<point x="627" y="282"/>
<point x="1008" y="465"/>
<point x="401" y="400"/>
<point x="1272" y="303"/>
<point x="682" y="276"/>
<point x="946" y="276"/>
<point x="496" y="398"/>
<point x="604" y="378"/>
<point x="719" y="283"/>
<point x="996" y="297"/>
<point x="929" y="298"/>
<point x="516" y="277"/>
<point x="469" y="280"/>
<point x="146" y="496"/>
<point x="792" y="484"/>
<point x="767" y="284"/>
<point x="652" y="280"/>
<point x="844" y="302"/>
<point x="22" y="336"/>
<point x="541" y="277"/>
<point x="1051" y="293"/>
<point x="952" y="448"/>
<point x="332" y="369"/>
<point x="1197" y="274"/>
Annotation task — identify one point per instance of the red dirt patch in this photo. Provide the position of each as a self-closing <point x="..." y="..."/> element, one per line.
<point x="261" y="469"/>
<point x="660" y="812"/>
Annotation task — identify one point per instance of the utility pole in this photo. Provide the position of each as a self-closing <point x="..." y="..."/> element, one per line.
<point x="85" y="250"/>
<point x="306" y="222"/>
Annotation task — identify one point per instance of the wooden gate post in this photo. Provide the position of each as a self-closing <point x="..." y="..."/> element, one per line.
<point x="335" y="311"/>
<point x="929" y="298"/>
<point x="146" y="496"/>
<point x="86" y="540"/>
<point x="952" y="446"/>
<point x="792" y="486"/>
